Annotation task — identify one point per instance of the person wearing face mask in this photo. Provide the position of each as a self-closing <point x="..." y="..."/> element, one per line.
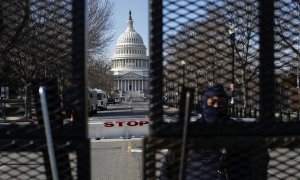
<point x="218" y="164"/>
<point x="202" y="164"/>
<point x="215" y="105"/>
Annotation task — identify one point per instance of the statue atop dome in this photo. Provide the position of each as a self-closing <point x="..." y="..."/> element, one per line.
<point x="130" y="23"/>
<point x="130" y="15"/>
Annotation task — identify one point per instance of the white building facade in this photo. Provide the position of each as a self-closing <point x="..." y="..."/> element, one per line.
<point x="130" y="63"/>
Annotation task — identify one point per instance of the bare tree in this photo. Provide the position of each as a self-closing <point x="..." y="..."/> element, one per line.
<point x="12" y="25"/>
<point x="100" y="26"/>
<point x="287" y="54"/>
<point x="205" y="46"/>
<point x="27" y="60"/>
<point x="36" y="42"/>
<point x="287" y="34"/>
<point x="43" y="49"/>
<point x="245" y="15"/>
<point x="100" y="76"/>
<point x="100" y="34"/>
<point x="287" y="22"/>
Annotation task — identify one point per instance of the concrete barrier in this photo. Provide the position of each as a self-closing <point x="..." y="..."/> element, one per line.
<point x="119" y="129"/>
<point x="116" y="159"/>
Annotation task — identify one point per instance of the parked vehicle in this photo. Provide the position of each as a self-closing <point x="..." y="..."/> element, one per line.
<point x="111" y="100"/>
<point x="117" y="95"/>
<point x="101" y="99"/>
<point x="92" y="101"/>
<point x="118" y="99"/>
<point x="114" y="97"/>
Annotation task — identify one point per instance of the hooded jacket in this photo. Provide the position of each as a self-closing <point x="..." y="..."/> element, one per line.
<point x="211" y="114"/>
<point x="208" y="164"/>
<point x="201" y="164"/>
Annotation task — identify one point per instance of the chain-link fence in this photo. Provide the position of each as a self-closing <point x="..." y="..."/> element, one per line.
<point x="251" y="47"/>
<point x="42" y="44"/>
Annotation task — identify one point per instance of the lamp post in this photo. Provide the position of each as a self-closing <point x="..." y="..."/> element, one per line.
<point x="166" y="86"/>
<point x="183" y="73"/>
<point x="232" y="29"/>
<point x="298" y="84"/>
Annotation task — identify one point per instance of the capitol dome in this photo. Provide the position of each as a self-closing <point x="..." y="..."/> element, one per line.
<point x="130" y="63"/>
<point x="130" y="37"/>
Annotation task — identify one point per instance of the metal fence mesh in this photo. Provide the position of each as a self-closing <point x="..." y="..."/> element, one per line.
<point x="208" y="42"/>
<point x="252" y="48"/>
<point x="42" y="44"/>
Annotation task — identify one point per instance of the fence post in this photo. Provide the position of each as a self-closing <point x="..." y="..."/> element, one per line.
<point x="266" y="59"/>
<point x="280" y="115"/>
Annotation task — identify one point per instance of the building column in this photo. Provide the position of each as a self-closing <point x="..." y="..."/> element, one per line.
<point x="127" y="85"/>
<point x="118" y="84"/>
<point x="142" y="84"/>
<point x="121" y="85"/>
<point x="135" y="84"/>
<point x="133" y="87"/>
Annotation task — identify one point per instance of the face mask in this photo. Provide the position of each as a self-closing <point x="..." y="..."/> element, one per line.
<point x="212" y="114"/>
<point x="214" y="104"/>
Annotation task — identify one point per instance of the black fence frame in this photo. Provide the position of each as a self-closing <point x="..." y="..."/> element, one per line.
<point x="67" y="138"/>
<point x="273" y="133"/>
<point x="267" y="82"/>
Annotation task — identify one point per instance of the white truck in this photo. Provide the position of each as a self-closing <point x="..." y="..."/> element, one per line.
<point x="92" y="101"/>
<point x="101" y="99"/>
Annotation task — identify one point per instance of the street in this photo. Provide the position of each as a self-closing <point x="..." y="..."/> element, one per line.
<point x="125" y="120"/>
<point x="122" y="111"/>
<point x="126" y="111"/>
<point x="121" y="120"/>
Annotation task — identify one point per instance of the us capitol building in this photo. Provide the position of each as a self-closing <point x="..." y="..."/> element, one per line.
<point x="130" y="64"/>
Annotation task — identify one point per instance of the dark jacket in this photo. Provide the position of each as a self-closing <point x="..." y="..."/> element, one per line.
<point x="246" y="163"/>
<point x="200" y="165"/>
<point x="214" y="164"/>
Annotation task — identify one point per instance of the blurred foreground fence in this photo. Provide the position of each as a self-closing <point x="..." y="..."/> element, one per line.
<point x="42" y="44"/>
<point x="252" y="48"/>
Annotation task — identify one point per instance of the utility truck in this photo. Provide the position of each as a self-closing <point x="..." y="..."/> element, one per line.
<point x="92" y="101"/>
<point x="101" y="99"/>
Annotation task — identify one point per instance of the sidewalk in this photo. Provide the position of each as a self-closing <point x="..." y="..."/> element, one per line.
<point x="170" y="109"/>
<point x="15" y="119"/>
